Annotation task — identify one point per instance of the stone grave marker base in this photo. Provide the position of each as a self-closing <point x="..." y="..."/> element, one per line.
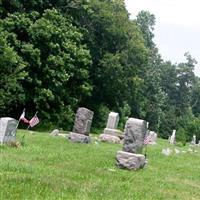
<point x="109" y="138"/>
<point x="130" y="161"/>
<point x="114" y="132"/>
<point x="79" y="138"/>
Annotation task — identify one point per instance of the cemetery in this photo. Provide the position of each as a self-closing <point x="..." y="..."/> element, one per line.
<point x="99" y="100"/>
<point x="80" y="165"/>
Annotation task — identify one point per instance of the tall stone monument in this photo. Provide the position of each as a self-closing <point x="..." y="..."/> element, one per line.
<point x="130" y="157"/>
<point x="172" y="139"/>
<point x="8" y="128"/>
<point x="111" y="134"/>
<point x="82" y="126"/>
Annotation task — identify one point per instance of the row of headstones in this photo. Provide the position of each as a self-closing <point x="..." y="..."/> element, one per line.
<point x="172" y="139"/>
<point x="134" y="133"/>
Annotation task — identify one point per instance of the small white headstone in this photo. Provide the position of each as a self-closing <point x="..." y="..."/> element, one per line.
<point x="193" y="140"/>
<point x="173" y="137"/>
<point x="153" y="137"/>
<point x="177" y="151"/>
<point x="166" y="152"/>
<point x="113" y="120"/>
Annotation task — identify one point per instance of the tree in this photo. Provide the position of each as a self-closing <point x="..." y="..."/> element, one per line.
<point x="118" y="55"/>
<point x="185" y="81"/>
<point x="12" y="74"/>
<point x="56" y="60"/>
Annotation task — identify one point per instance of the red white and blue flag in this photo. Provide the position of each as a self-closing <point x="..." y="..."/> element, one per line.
<point x="34" y="121"/>
<point x="147" y="139"/>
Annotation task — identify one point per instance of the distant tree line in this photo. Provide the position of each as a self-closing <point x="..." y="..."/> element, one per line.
<point x="58" y="55"/>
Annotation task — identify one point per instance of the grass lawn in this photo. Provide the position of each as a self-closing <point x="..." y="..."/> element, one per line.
<point x="53" y="168"/>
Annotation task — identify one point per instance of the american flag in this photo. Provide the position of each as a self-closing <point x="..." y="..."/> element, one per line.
<point x="147" y="139"/>
<point x="22" y="117"/>
<point x="34" y="121"/>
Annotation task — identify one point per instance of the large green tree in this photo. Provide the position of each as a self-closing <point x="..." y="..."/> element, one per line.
<point x="57" y="62"/>
<point x="12" y="73"/>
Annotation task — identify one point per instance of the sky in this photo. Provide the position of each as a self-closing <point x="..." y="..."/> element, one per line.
<point x="177" y="28"/>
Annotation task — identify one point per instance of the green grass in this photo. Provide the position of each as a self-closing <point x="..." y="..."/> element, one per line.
<point x="53" y="168"/>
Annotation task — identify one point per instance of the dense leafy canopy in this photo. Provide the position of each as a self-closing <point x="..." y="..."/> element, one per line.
<point x="58" y="55"/>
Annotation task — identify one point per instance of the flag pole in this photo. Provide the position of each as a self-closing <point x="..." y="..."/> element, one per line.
<point x="145" y="152"/>
<point x="19" y="120"/>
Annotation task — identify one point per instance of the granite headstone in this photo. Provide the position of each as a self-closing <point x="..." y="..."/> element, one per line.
<point x="8" y="128"/>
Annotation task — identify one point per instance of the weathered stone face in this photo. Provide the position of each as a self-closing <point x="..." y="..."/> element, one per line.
<point x="134" y="134"/>
<point x="8" y="128"/>
<point x="113" y="119"/>
<point x="79" y="138"/>
<point x="83" y="121"/>
<point x="130" y="161"/>
<point x="109" y="138"/>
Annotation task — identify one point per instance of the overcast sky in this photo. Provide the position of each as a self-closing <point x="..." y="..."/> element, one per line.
<point x="177" y="27"/>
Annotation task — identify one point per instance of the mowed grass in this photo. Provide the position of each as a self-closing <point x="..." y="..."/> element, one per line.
<point x="53" y="168"/>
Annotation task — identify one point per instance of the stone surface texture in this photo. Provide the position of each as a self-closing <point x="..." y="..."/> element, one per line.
<point x="8" y="128"/>
<point x="109" y="138"/>
<point x="134" y="134"/>
<point x="130" y="161"/>
<point x="83" y="121"/>
<point x="55" y="132"/>
<point x="114" y="132"/>
<point x="78" y="138"/>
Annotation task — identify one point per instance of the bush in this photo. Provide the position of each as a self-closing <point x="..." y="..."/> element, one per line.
<point x="181" y="137"/>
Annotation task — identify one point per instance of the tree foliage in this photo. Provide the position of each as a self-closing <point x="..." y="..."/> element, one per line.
<point x="58" y="55"/>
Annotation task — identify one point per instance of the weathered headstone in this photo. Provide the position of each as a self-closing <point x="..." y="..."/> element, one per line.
<point x="134" y="134"/>
<point x="172" y="139"/>
<point x="82" y="126"/>
<point x="153" y="137"/>
<point x="111" y="134"/>
<point x="8" y="128"/>
<point x="193" y="142"/>
<point x="55" y="132"/>
<point x="83" y="121"/>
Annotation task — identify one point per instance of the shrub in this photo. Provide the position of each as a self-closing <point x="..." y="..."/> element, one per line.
<point x="181" y="136"/>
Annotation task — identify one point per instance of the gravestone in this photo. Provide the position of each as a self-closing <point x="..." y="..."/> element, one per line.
<point x="193" y="142"/>
<point x="82" y="126"/>
<point x="134" y="134"/>
<point x="153" y="137"/>
<point x="113" y="119"/>
<point x="111" y="134"/>
<point x="8" y="128"/>
<point x="130" y="157"/>
<point x="172" y="139"/>
<point x="55" y="132"/>
<point x="83" y="121"/>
